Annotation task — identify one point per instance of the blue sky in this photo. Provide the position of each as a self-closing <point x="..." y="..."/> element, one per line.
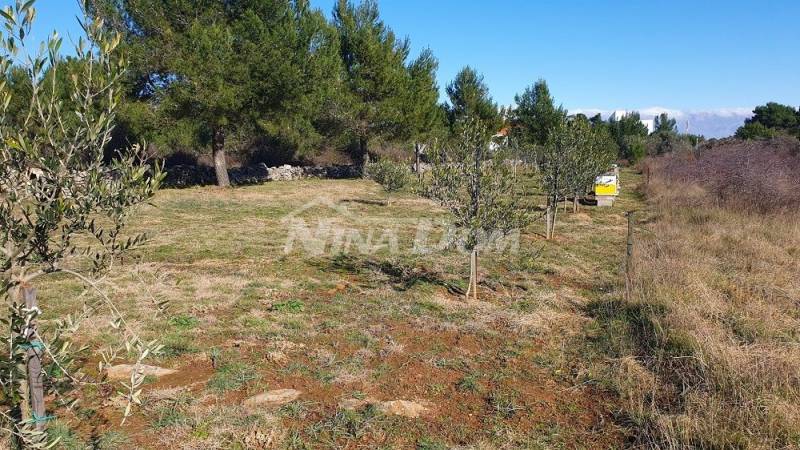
<point x="702" y="55"/>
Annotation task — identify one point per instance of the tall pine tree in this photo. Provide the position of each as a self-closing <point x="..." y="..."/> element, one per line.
<point x="629" y="133"/>
<point x="424" y="116"/>
<point x="375" y="74"/>
<point x="536" y="114"/>
<point x="469" y="98"/>
<point x="214" y="69"/>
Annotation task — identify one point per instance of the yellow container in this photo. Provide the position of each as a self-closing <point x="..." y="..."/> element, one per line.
<point x="606" y="185"/>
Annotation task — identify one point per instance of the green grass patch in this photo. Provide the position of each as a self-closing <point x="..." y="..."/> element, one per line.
<point x="183" y="322"/>
<point x="232" y="376"/>
<point x="291" y="306"/>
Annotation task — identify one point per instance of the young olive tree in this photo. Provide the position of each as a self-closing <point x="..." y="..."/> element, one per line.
<point x="553" y="160"/>
<point x="574" y="154"/>
<point x="479" y="188"/>
<point x="62" y="210"/>
<point x="592" y="155"/>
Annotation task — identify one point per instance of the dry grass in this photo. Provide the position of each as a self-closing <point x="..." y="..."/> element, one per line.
<point x="707" y="349"/>
<point x="354" y="326"/>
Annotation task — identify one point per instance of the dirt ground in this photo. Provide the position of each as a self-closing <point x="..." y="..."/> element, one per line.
<point x="352" y="332"/>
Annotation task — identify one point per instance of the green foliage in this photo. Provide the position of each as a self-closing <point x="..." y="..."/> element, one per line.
<point x="663" y="124"/>
<point x="375" y="74"/>
<point x="424" y="117"/>
<point x="575" y="153"/>
<point x="112" y="440"/>
<point x="755" y="130"/>
<point x="426" y="443"/>
<point x="770" y="120"/>
<point x="536" y="115"/>
<point x="212" y="70"/>
<point x="63" y="207"/>
<point x="629" y="133"/>
<point x="476" y="185"/>
<point x="170" y="416"/>
<point x="184" y="322"/>
<point x="270" y="78"/>
<point x="469" y="383"/>
<point x="634" y="147"/>
<point x="391" y="175"/>
<point x="591" y="155"/>
<point x="470" y="100"/>
<point x="665" y="136"/>
<point x="776" y="116"/>
<point x="66" y="438"/>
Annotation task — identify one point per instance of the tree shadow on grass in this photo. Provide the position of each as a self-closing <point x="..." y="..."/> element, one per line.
<point x="402" y="276"/>
<point x="365" y="201"/>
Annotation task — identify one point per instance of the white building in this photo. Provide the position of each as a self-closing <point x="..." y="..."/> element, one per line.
<point x="620" y="113"/>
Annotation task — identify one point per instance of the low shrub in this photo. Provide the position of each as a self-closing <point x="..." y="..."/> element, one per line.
<point x="391" y="175"/>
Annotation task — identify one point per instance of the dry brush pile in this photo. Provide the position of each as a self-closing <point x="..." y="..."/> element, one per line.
<point x="754" y="175"/>
<point x="707" y="348"/>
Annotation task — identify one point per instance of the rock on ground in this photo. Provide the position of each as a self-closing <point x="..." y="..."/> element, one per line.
<point x="277" y="397"/>
<point x="403" y="408"/>
<point x="123" y="371"/>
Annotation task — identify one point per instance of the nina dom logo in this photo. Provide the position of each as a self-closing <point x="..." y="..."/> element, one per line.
<point x="326" y="227"/>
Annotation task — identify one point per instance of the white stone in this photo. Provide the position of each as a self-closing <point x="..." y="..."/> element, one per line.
<point x="403" y="408"/>
<point x="277" y="397"/>
<point x="123" y="371"/>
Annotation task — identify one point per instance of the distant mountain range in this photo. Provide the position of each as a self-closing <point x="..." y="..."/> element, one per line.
<point x="716" y="123"/>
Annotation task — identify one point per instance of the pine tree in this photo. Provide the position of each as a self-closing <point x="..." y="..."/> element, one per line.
<point x="664" y="124"/>
<point x="375" y="72"/>
<point x="629" y="133"/>
<point x="424" y="116"/>
<point x="469" y="99"/>
<point x="216" y="69"/>
<point x="665" y="134"/>
<point x="769" y="120"/>
<point x="536" y="114"/>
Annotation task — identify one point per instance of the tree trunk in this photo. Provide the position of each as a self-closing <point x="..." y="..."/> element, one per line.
<point x="555" y="216"/>
<point x="575" y="204"/>
<point x="220" y="164"/>
<point x="548" y="220"/>
<point x="473" y="275"/>
<point x="418" y="159"/>
<point x="364" y="150"/>
<point x="33" y="359"/>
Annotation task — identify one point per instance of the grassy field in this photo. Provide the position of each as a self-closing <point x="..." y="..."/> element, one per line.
<point x="350" y="330"/>
<point x="706" y="353"/>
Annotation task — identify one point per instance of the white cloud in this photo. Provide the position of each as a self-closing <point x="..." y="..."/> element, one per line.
<point x="713" y="122"/>
<point x="676" y="113"/>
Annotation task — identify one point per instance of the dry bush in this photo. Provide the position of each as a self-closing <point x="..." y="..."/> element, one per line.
<point x="755" y="175"/>
<point x="707" y="348"/>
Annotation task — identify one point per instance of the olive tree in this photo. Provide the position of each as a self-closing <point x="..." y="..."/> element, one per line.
<point x="592" y="154"/>
<point x="479" y="188"/>
<point x="574" y="154"/>
<point x="553" y="161"/>
<point x="63" y="209"/>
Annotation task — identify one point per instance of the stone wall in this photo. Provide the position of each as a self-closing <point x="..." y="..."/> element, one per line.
<point x="186" y="176"/>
